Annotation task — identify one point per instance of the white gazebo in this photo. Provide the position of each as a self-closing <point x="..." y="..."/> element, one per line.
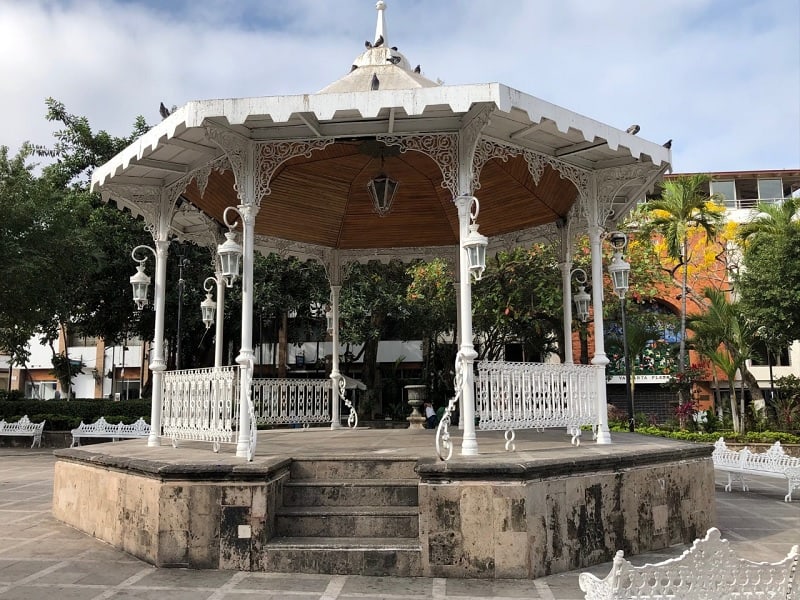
<point x="381" y="164"/>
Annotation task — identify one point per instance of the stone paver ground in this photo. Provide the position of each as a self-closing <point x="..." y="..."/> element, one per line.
<point x="42" y="559"/>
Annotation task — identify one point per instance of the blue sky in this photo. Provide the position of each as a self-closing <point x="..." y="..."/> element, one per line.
<point x="719" y="77"/>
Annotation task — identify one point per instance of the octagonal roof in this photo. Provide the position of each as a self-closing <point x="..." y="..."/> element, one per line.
<point x="321" y="199"/>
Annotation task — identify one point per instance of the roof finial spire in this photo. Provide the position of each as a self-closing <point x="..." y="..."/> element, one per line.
<point x="380" y="28"/>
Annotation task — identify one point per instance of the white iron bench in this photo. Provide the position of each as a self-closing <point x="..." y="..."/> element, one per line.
<point x="772" y="463"/>
<point x="103" y="429"/>
<point x="516" y="395"/>
<point x="23" y="427"/>
<point x="707" y="570"/>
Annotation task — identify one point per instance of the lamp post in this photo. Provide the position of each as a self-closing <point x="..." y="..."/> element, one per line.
<point x="619" y="271"/>
<point x="182" y="262"/>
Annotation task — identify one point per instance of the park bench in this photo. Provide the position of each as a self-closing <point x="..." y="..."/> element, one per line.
<point x="103" y="429"/>
<point x="707" y="570"/>
<point x="23" y="427"/>
<point x="772" y="463"/>
<point x="515" y="395"/>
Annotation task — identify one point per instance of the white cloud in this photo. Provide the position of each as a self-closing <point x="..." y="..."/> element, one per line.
<point x="720" y="77"/>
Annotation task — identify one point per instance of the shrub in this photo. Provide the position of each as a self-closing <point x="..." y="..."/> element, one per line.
<point x="61" y="415"/>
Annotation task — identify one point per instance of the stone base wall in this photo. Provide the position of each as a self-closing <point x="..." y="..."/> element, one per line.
<point x="529" y="529"/>
<point x="491" y="519"/>
<point x="175" y="523"/>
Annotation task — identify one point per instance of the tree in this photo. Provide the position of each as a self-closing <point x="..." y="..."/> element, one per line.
<point x="769" y="281"/>
<point x="25" y="249"/>
<point x="58" y="242"/>
<point x="519" y="301"/>
<point x="431" y="299"/>
<point x="725" y="336"/>
<point x="682" y="207"/>
<point x="373" y="301"/>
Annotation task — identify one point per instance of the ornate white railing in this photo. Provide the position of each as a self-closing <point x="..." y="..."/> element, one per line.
<point x="292" y="401"/>
<point x="513" y="396"/>
<point x="444" y="445"/>
<point x="201" y="405"/>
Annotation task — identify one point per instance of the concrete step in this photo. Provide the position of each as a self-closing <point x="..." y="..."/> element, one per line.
<point x="348" y="521"/>
<point x="349" y="468"/>
<point x="343" y="556"/>
<point x="354" y="492"/>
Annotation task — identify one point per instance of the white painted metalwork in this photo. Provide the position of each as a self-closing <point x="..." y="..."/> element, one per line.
<point x="103" y="429"/>
<point x="23" y="427"/>
<point x="200" y="405"/>
<point x="535" y="396"/>
<point x="247" y="368"/>
<point x="292" y="401"/>
<point x="708" y="569"/>
<point x="772" y="463"/>
<point x="444" y="447"/>
<point x="340" y="385"/>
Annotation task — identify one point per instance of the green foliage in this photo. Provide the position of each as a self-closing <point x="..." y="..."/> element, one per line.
<point x="682" y="207"/>
<point x="752" y="437"/>
<point x="769" y="285"/>
<point x="63" y="251"/>
<point x="519" y="300"/>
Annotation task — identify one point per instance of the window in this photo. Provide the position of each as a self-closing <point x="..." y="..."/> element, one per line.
<point x="778" y="359"/>
<point x="769" y="189"/>
<point x="76" y="339"/>
<point x="726" y="189"/>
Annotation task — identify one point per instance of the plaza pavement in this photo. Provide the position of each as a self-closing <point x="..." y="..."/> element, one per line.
<point x="42" y="559"/>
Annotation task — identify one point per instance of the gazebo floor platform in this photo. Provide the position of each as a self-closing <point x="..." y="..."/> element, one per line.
<point x="379" y="502"/>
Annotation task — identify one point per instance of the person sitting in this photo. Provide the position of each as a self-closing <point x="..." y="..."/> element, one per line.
<point x="431" y="421"/>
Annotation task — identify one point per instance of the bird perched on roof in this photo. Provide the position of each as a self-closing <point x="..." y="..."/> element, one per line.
<point x="375" y="82"/>
<point x="667" y="144"/>
<point x="379" y="42"/>
<point x="394" y="48"/>
<point x="353" y="68"/>
<point x="633" y="129"/>
<point x="164" y="111"/>
<point x="367" y="44"/>
<point x="394" y="59"/>
<point x="417" y="69"/>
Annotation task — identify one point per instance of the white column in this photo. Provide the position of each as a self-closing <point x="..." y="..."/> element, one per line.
<point x="245" y="358"/>
<point x="336" y="420"/>
<point x="566" y="293"/>
<point x="220" y="318"/>
<point x="600" y="358"/>
<point x="157" y="363"/>
<point x="469" y="443"/>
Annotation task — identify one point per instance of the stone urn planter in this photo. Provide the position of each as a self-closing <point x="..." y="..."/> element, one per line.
<point x="417" y="394"/>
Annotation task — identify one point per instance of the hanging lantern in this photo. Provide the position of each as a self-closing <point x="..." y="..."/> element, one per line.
<point x="140" y="282"/>
<point x="329" y="320"/>
<point x="475" y="245"/>
<point x="208" y="309"/>
<point x="619" y="271"/>
<point x="581" y="300"/>
<point x="382" y="190"/>
<point x="230" y="253"/>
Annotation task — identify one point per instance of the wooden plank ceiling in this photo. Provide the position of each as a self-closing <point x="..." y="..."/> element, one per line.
<point x="324" y="200"/>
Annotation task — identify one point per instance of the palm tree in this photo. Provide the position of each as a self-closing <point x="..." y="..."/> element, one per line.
<point x="771" y="220"/>
<point x="723" y="335"/>
<point x="682" y="208"/>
